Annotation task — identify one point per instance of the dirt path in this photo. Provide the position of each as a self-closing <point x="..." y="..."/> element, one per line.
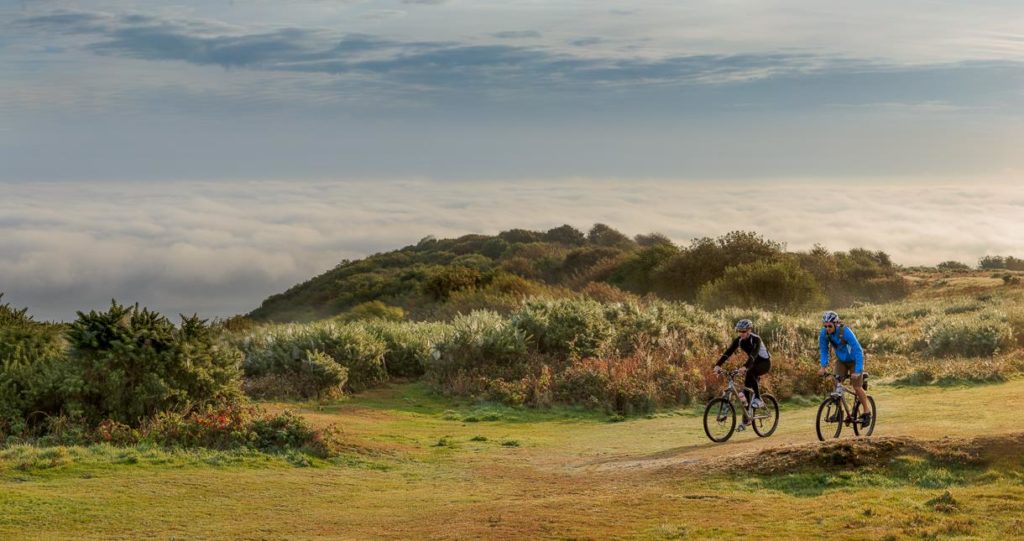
<point x="927" y="413"/>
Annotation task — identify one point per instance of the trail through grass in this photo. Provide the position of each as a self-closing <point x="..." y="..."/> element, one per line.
<point x="425" y="467"/>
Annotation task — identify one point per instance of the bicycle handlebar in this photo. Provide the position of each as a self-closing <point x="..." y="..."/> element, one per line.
<point x="732" y="373"/>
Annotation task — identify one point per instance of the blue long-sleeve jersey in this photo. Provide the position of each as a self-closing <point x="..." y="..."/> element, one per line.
<point x="851" y="352"/>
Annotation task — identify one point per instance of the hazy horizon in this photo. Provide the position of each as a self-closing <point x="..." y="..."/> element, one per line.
<point x="197" y="156"/>
<point x="219" y="249"/>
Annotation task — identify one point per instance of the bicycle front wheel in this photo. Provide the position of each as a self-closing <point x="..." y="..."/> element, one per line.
<point x="719" y="420"/>
<point x="830" y="419"/>
<point x="766" y="419"/>
<point x="858" y="428"/>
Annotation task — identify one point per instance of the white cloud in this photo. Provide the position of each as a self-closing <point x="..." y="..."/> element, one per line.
<point x="220" y="248"/>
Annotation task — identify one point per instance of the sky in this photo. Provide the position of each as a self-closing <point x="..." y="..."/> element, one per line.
<point x="197" y="156"/>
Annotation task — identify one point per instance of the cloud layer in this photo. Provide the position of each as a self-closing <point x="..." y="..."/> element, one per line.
<point x="220" y="249"/>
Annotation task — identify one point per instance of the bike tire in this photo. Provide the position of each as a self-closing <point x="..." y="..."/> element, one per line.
<point x="719" y="408"/>
<point x="828" y="407"/>
<point x="765" y="426"/>
<point x="857" y="428"/>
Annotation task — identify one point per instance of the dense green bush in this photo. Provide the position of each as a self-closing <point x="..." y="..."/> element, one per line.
<point x="1001" y="262"/>
<point x="637" y="272"/>
<point x="477" y="339"/>
<point x="282" y="350"/>
<point x="774" y="285"/>
<point x="566" y="327"/>
<point x="32" y="369"/>
<point x="705" y="259"/>
<point x="410" y="346"/>
<point x="372" y="310"/>
<point x="128" y="363"/>
<point x="981" y="336"/>
<point x="323" y="374"/>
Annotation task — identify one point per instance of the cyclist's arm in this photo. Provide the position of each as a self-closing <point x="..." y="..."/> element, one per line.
<point x="823" y="347"/>
<point x="728" y="353"/>
<point x="855" y="350"/>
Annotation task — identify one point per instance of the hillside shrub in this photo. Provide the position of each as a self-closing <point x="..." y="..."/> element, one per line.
<point x="373" y="310"/>
<point x="409" y="346"/>
<point x="32" y="369"/>
<point x="607" y="293"/>
<point x="774" y="285"/>
<point x="224" y="426"/>
<point x="636" y="273"/>
<point x="283" y="349"/>
<point x="444" y="281"/>
<point x="566" y="327"/>
<point x="682" y="275"/>
<point x="127" y="364"/>
<point x="981" y="336"/>
<point x="476" y="340"/>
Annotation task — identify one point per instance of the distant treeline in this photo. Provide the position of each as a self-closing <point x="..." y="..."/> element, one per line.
<point x="439" y="278"/>
<point x="1000" y="262"/>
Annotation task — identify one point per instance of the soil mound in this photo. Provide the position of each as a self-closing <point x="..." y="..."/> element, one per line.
<point x="874" y="452"/>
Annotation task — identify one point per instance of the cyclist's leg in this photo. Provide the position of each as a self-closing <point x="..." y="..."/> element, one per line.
<point x="760" y="368"/>
<point x="857" y="378"/>
<point x="750" y="380"/>
<point x="841" y="369"/>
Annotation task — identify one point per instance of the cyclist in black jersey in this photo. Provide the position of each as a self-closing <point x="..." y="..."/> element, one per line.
<point x="759" y="361"/>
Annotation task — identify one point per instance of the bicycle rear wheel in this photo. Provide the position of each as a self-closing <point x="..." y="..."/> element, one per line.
<point x="719" y="420"/>
<point x="766" y="419"/>
<point x="859" y="429"/>
<point x="830" y="419"/>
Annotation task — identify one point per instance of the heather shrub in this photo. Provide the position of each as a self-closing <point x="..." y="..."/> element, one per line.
<point x="629" y="385"/>
<point x="227" y="426"/>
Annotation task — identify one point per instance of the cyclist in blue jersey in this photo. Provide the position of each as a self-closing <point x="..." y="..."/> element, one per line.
<point x="849" y="355"/>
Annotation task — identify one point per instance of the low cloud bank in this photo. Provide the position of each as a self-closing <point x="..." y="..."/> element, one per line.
<point x="220" y="248"/>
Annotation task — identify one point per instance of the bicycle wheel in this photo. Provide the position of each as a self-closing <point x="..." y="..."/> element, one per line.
<point x="719" y="420"/>
<point x="858" y="429"/>
<point x="830" y="419"/>
<point x="766" y="419"/>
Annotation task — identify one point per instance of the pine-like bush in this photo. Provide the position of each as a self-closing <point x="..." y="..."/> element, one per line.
<point x="127" y="364"/>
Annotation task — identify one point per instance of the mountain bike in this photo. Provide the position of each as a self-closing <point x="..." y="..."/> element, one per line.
<point x="834" y="412"/>
<point x="720" y="413"/>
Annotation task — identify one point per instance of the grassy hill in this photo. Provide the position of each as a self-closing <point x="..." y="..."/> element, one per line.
<point x="438" y="278"/>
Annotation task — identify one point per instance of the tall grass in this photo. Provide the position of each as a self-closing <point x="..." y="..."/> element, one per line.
<point x="637" y="355"/>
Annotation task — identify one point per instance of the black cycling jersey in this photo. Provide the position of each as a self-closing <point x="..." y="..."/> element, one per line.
<point x="752" y="345"/>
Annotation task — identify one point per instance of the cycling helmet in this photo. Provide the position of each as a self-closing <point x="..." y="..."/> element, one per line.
<point x="830" y="317"/>
<point x="744" y="325"/>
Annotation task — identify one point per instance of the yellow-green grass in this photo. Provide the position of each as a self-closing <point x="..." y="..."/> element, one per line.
<point x="425" y="467"/>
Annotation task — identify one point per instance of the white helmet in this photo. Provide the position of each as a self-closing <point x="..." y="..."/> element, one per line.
<point x="744" y="325"/>
<point x="830" y="317"/>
